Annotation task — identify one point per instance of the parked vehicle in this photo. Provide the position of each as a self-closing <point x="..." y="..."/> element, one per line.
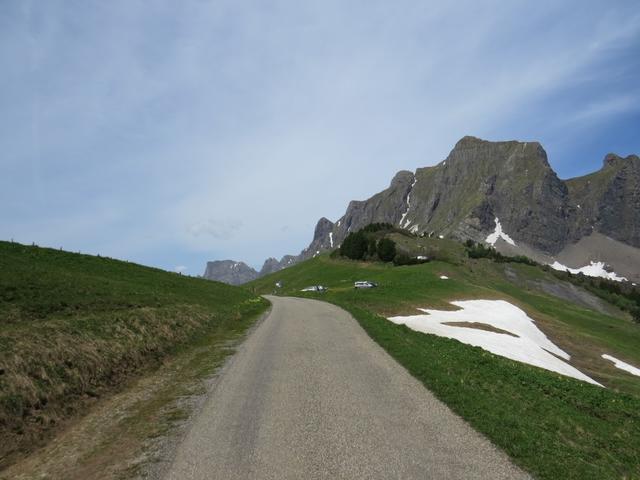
<point x="315" y="288"/>
<point x="365" y="284"/>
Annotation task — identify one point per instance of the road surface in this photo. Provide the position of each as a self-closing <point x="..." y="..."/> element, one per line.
<point x="309" y="395"/>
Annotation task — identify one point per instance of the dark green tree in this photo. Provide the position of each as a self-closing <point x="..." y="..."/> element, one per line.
<point x="372" y="248"/>
<point x="354" y="246"/>
<point x="386" y="249"/>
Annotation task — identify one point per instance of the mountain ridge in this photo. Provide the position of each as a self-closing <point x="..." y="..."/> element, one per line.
<point x="481" y="184"/>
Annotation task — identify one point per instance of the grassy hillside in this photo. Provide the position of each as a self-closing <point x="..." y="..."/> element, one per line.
<point x="554" y="426"/>
<point x="73" y="327"/>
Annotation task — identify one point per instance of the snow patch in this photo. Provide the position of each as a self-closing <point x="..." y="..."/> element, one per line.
<point x="622" y="365"/>
<point x="594" y="269"/>
<point x="331" y="239"/>
<point x="530" y="345"/>
<point x="441" y="237"/>
<point x="414" y="229"/>
<point x="498" y="233"/>
<point x="408" y="222"/>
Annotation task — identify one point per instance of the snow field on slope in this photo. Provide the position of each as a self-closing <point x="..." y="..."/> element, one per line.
<point x="530" y="345"/>
<point x="594" y="269"/>
<point x="622" y="365"/>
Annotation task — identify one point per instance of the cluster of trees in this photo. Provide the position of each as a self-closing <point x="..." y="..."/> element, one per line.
<point x="360" y="246"/>
<point x="369" y="243"/>
<point x="478" y="250"/>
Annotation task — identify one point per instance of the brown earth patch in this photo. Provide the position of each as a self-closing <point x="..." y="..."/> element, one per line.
<point x="480" y="326"/>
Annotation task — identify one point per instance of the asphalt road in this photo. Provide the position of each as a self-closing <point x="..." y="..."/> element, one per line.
<point x="309" y="395"/>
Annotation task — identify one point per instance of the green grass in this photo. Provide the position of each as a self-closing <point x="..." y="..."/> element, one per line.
<point x="75" y="327"/>
<point x="551" y="425"/>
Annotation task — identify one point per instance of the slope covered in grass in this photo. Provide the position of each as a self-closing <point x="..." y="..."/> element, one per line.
<point x="73" y="326"/>
<point x="554" y="426"/>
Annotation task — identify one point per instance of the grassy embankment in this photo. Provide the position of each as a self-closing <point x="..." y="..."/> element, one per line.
<point x="553" y="426"/>
<point x="74" y="328"/>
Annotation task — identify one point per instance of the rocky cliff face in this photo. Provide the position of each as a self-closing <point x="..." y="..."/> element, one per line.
<point x="608" y="201"/>
<point x="481" y="181"/>
<point x="230" y="271"/>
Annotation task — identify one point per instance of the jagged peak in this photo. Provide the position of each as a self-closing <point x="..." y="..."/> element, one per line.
<point x="468" y="141"/>
<point x="323" y="226"/>
<point x="403" y="176"/>
<point x="614" y="160"/>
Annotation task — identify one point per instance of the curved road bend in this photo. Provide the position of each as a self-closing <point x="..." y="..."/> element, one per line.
<point x="309" y="395"/>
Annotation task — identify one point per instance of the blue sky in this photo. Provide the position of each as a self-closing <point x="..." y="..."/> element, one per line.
<point x="172" y="133"/>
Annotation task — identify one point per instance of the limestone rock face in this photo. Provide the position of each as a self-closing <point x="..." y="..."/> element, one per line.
<point x="387" y="206"/>
<point x="479" y="181"/>
<point x="608" y="201"/>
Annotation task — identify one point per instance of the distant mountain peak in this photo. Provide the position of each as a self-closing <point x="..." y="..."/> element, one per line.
<point x="230" y="271"/>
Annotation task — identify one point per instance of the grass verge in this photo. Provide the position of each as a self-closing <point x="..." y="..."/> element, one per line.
<point x="552" y="426"/>
<point x="76" y="328"/>
<point x="132" y="433"/>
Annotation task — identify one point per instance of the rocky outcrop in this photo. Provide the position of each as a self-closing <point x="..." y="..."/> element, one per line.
<point x="387" y="206"/>
<point x="229" y="271"/>
<point x="608" y="201"/>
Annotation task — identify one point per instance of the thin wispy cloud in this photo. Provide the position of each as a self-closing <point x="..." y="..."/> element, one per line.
<point x="215" y="229"/>
<point x="604" y="109"/>
<point x="176" y="133"/>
